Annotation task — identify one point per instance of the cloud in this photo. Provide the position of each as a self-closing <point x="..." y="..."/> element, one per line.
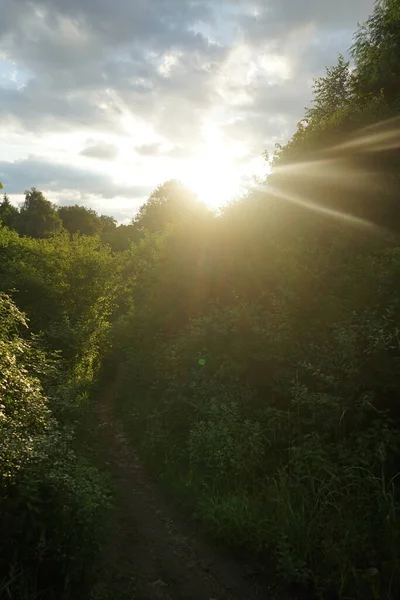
<point x="181" y="152"/>
<point x="100" y="150"/>
<point x="157" y="149"/>
<point x="160" y="69"/>
<point x="276" y="19"/>
<point x="149" y="149"/>
<point x="37" y="109"/>
<point x="22" y="174"/>
<point x="91" y="59"/>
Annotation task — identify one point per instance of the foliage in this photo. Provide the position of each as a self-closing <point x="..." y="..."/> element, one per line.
<point x="38" y="217"/>
<point x="279" y="440"/>
<point x="171" y="202"/>
<point x="342" y="156"/>
<point x="259" y="358"/>
<point x="50" y="500"/>
<point x="8" y="213"/>
<point x="121" y="238"/>
<point x="24" y="414"/>
<point x="331" y="93"/>
<point x="256" y="352"/>
<point x="78" y="219"/>
<point x="376" y="51"/>
<point x="66" y="286"/>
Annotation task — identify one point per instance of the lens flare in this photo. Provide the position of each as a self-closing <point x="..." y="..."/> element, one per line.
<point x="343" y="167"/>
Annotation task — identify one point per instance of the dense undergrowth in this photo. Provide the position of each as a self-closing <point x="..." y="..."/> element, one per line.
<point x="260" y="357"/>
<point x="285" y="442"/>
<point x="256" y="353"/>
<point x="52" y="499"/>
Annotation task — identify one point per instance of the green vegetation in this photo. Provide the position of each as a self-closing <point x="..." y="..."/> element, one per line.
<point x="52" y="501"/>
<point x="256" y="353"/>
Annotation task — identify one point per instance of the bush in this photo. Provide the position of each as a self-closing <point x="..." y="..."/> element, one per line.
<point x="50" y="501"/>
<point x="282" y="444"/>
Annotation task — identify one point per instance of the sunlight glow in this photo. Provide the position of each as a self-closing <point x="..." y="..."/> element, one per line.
<point x="381" y="136"/>
<point x="378" y="137"/>
<point x="214" y="181"/>
<point x="215" y="173"/>
<point x="330" y="212"/>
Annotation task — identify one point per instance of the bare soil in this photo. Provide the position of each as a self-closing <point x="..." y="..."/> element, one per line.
<point x="152" y="552"/>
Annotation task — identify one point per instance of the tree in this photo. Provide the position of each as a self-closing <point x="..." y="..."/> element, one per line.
<point x="376" y="51"/>
<point x="38" y="217"/>
<point x="108" y="224"/>
<point x="170" y="202"/>
<point x="9" y="214"/>
<point x="331" y="92"/>
<point x="78" y="219"/>
<point x="120" y="238"/>
<point x="333" y="161"/>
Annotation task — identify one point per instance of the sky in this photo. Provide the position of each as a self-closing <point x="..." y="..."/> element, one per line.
<point x="102" y="101"/>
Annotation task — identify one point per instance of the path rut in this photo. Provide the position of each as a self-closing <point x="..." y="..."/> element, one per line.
<point x="152" y="554"/>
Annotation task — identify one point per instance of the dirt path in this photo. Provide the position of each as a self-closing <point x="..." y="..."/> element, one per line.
<point x="151" y="555"/>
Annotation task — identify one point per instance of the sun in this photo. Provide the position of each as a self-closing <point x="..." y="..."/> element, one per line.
<point x="214" y="181"/>
<point x="213" y="173"/>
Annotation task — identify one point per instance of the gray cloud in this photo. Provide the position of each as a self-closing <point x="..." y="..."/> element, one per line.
<point x="100" y="150"/>
<point x="157" y="149"/>
<point x="276" y="19"/>
<point x="148" y="149"/>
<point x="90" y="59"/>
<point x="36" y="108"/>
<point x="22" y="174"/>
<point x="80" y="51"/>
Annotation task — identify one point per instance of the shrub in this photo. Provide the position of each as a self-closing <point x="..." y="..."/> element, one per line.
<point x="50" y="501"/>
